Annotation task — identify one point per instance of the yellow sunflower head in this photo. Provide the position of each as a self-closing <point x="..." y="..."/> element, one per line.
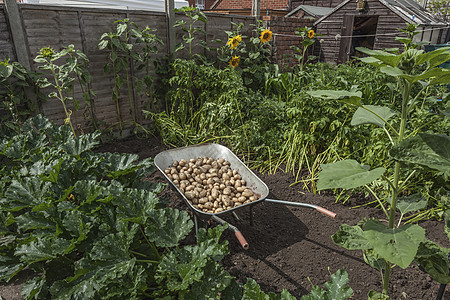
<point x="311" y="34"/>
<point x="234" y="62"/>
<point x="47" y="52"/>
<point x="234" y="41"/>
<point x="266" y="36"/>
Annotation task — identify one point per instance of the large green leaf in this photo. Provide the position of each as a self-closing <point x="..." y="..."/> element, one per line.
<point x="336" y="288"/>
<point x="215" y="280"/>
<point x="114" y="246"/>
<point x="444" y="78"/>
<point x="439" y="76"/>
<point x="398" y="245"/>
<point x="93" y="278"/>
<point x="391" y="71"/>
<point x="83" y="143"/>
<point x="182" y="267"/>
<point x="412" y="202"/>
<point x="351" y="238"/>
<point x="166" y="227"/>
<point x="346" y="174"/>
<point x="252" y="291"/>
<point x="5" y="71"/>
<point x="36" y="220"/>
<point x="43" y="249"/>
<point x="285" y="295"/>
<point x="349" y="97"/>
<point x="117" y="164"/>
<point x="77" y="226"/>
<point x="428" y="150"/>
<point x="233" y="291"/>
<point x="28" y="192"/>
<point x="134" y="205"/>
<point x="385" y="57"/>
<point x="316" y="293"/>
<point x="33" y="288"/>
<point x="434" y="58"/>
<point x="9" y="267"/>
<point x="6" y="219"/>
<point x="433" y="259"/>
<point x="371" y="114"/>
<point x="89" y="191"/>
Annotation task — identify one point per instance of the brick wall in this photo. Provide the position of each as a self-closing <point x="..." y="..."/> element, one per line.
<point x="284" y="37"/>
<point x="241" y="4"/>
<point x="208" y="3"/>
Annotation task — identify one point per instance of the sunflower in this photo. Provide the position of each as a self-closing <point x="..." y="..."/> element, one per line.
<point x="266" y="36"/>
<point x="47" y="52"/>
<point x="234" y="62"/>
<point x="234" y="41"/>
<point x="311" y="34"/>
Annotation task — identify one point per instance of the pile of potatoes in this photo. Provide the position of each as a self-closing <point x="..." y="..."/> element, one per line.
<point x="211" y="185"/>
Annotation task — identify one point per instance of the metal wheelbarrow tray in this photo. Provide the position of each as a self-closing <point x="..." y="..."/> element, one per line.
<point x="165" y="159"/>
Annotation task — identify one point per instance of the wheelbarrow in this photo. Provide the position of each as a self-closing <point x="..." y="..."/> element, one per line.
<point x="216" y="151"/>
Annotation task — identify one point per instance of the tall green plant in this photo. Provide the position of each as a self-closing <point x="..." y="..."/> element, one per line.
<point x="121" y="51"/>
<point x="13" y="79"/>
<point x="63" y="77"/>
<point x="149" y="42"/>
<point x="307" y="35"/>
<point x="190" y="28"/>
<point x="386" y="246"/>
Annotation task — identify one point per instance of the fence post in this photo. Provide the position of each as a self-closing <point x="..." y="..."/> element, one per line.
<point x="20" y="43"/>
<point x="170" y="15"/>
<point x="256" y="7"/>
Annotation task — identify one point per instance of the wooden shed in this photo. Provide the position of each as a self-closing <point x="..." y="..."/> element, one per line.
<point x="373" y="24"/>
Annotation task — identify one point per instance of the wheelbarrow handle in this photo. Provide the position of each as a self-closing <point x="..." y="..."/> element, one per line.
<point x="316" y="207"/>
<point x="237" y="232"/>
<point x="326" y="212"/>
<point x="241" y="239"/>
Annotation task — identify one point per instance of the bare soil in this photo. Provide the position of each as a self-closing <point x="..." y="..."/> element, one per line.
<point x="291" y="248"/>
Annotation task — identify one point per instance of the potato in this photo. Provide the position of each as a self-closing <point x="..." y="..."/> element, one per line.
<point x="247" y="193"/>
<point x="210" y="185"/>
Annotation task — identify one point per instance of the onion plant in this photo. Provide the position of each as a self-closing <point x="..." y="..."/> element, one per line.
<point x="395" y="244"/>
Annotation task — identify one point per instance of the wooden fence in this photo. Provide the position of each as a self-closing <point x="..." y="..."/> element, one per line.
<point x="58" y="27"/>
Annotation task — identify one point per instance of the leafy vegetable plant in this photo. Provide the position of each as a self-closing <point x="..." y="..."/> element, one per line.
<point x="90" y="226"/>
<point x="386" y="246"/>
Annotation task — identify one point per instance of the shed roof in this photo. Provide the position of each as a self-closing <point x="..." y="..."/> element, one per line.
<point x="409" y="10"/>
<point x="315" y="11"/>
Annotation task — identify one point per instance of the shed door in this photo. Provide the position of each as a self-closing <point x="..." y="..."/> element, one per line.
<point x="346" y="39"/>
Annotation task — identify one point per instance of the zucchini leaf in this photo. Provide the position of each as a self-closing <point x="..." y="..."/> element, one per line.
<point x="166" y="227"/>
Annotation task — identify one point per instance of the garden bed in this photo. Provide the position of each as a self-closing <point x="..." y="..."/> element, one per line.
<point x="289" y="245"/>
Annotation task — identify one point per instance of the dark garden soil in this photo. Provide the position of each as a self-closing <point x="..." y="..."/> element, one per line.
<point x="291" y="248"/>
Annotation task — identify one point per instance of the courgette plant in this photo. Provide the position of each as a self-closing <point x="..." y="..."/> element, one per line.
<point x="395" y="244"/>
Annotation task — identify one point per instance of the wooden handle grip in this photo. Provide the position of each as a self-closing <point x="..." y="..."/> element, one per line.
<point x="241" y="239"/>
<point x="326" y="212"/>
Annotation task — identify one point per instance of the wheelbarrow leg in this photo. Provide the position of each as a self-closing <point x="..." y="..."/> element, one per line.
<point x="236" y="216"/>
<point x="251" y="215"/>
